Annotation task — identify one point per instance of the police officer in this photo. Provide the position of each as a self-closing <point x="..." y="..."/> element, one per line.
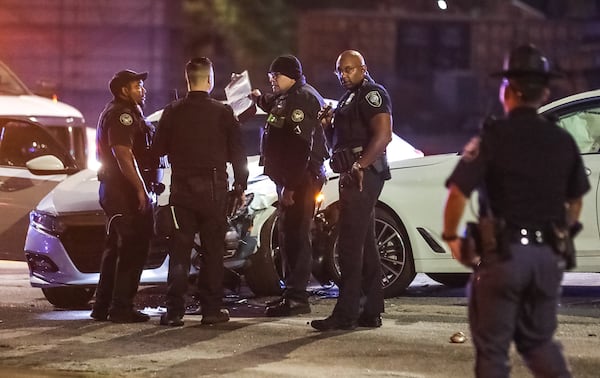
<point x="359" y="132"/>
<point x="531" y="177"/>
<point x="126" y="177"/>
<point x="293" y="150"/>
<point x="199" y="135"/>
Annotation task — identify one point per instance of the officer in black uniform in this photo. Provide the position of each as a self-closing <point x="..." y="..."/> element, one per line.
<point x="127" y="177"/>
<point x="200" y="135"/>
<point x="359" y="132"/>
<point x="531" y="177"/>
<point x="293" y="150"/>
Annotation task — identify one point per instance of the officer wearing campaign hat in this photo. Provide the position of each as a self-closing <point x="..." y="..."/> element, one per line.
<point x="527" y="62"/>
<point x="532" y="210"/>
<point x="128" y="175"/>
<point x="293" y="150"/>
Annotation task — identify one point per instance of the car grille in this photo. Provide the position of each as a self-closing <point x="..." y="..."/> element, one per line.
<point x="83" y="240"/>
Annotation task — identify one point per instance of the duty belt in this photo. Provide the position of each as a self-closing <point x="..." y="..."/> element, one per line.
<point x="343" y="158"/>
<point x="528" y="236"/>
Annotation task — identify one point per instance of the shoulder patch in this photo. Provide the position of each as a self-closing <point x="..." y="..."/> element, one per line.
<point x="126" y="119"/>
<point x="471" y="149"/>
<point x="297" y="115"/>
<point x="374" y="99"/>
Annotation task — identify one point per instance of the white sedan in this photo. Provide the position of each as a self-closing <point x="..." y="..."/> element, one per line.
<point x="66" y="229"/>
<point x="409" y="210"/>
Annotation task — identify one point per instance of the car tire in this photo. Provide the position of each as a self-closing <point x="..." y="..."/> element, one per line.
<point x="451" y="279"/>
<point x="69" y="297"/>
<point x="398" y="268"/>
<point x="263" y="271"/>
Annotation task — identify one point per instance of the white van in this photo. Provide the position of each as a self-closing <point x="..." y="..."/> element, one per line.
<point x="31" y="126"/>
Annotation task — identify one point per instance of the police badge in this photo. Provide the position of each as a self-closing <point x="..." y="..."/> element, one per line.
<point x="374" y="99"/>
<point x="297" y="115"/>
<point x="126" y="119"/>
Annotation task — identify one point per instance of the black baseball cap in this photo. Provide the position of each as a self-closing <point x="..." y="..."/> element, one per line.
<point x="122" y="78"/>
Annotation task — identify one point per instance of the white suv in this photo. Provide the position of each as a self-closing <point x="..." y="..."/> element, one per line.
<point x="31" y="126"/>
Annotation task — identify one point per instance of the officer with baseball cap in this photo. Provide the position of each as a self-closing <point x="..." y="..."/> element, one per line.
<point x="293" y="150"/>
<point x="127" y="177"/>
<point x="123" y="78"/>
<point x="531" y="180"/>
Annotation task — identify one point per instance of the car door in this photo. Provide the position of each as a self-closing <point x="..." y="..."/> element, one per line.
<point x="582" y="120"/>
<point x="20" y="190"/>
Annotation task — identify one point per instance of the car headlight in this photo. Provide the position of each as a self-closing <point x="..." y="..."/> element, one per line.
<point x="46" y="222"/>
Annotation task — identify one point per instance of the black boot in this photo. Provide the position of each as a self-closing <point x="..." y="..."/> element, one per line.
<point x="288" y="307"/>
<point x="332" y="323"/>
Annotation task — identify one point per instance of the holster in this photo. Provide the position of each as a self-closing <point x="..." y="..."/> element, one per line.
<point x="486" y="237"/>
<point x="382" y="167"/>
<point x="343" y="158"/>
<point x="562" y="243"/>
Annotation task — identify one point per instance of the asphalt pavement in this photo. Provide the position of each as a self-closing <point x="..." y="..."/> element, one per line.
<point x="37" y="340"/>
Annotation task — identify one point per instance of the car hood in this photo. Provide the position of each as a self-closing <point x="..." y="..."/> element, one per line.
<point x="80" y="191"/>
<point x="32" y="106"/>
<point x="76" y="193"/>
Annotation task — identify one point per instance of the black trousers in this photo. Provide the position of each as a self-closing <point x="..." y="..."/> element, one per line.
<point x="361" y="290"/>
<point x="126" y="248"/>
<point x="208" y="218"/>
<point x="294" y="224"/>
<point x="517" y="299"/>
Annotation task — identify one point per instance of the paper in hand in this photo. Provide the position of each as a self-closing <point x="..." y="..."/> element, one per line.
<point x="238" y="92"/>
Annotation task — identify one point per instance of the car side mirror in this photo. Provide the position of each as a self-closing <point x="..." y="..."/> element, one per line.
<point x="48" y="165"/>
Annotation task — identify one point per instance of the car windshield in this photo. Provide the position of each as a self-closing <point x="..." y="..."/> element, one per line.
<point x="73" y="139"/>
<point x="10" y="84"/>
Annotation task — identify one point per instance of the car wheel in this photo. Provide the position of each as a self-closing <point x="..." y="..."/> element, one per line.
<point x="69" y="297"/>
<point x="263" y="271"/>
<point x="451" y="279"/>
<point x="395" y="252"/>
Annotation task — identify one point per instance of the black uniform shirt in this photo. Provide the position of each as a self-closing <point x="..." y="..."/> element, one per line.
<point x="121" y="123"/>
<point x="199" y="134"/>
<point x="529" y="167"/>
<point x="354" y="112"/>
<point x="293" y="139"/>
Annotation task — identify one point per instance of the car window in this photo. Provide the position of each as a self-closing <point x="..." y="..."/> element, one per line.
<point x="22" y="141"/>
<point x="584" y="126"/>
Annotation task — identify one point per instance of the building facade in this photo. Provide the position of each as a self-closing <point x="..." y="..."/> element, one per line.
<point x="436" y="65"/>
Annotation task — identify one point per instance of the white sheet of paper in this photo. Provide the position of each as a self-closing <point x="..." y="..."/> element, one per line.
<point x="237" y="92"/>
